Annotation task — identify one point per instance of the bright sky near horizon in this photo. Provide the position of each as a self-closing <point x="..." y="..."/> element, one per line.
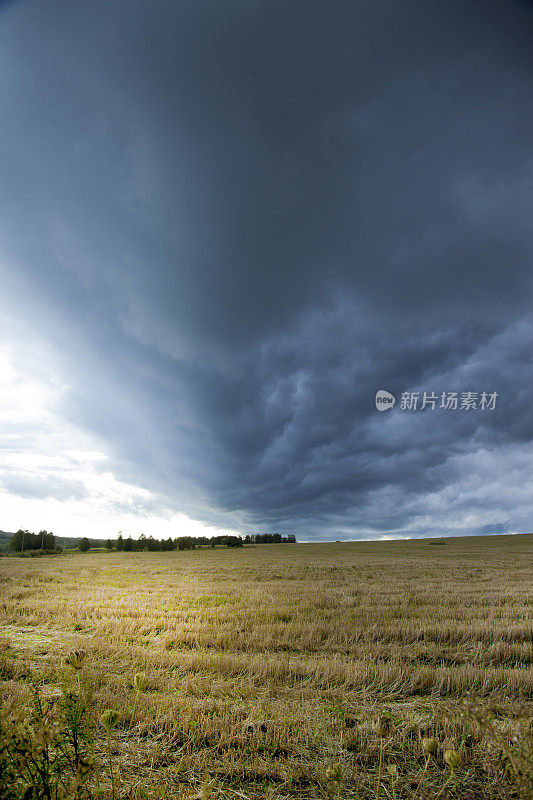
<point x="54" y="477"/>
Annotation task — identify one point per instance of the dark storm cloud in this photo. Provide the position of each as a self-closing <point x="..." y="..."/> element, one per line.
<point x="236" y="221"/>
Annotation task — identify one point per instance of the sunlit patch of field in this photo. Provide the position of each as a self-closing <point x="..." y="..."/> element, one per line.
<point x="266" y="665"/>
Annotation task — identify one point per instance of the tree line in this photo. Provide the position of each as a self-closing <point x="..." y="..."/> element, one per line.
<point x="269" y="538"/>
<point x="24" y="540"/>
<point x="189" y="542"/>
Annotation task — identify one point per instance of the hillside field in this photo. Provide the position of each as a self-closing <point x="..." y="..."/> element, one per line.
<point x="268" y="667"/>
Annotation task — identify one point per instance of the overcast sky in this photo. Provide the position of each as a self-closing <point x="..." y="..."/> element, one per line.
<point x="225" y="225"/>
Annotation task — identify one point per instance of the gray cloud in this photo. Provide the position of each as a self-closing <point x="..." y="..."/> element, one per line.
<point x="37" y="486"/>
<point x="233" y="223"/>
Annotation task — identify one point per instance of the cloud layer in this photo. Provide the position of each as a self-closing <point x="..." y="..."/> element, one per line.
<point x="225" y="226"/>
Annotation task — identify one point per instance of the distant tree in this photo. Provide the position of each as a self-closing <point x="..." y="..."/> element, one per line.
<point x="110" y="544"/>
<point x="120" y="542"/>
<point x="142" y="542"/>
<point x="184" y="543"/>
<point x="48" y="540"/>
<point x="232" y="541"/>
<point x="168" y="544"/>
<point x="17" y="540"/>
<point x="84" y="545"/>
<point x="128" y="544"/>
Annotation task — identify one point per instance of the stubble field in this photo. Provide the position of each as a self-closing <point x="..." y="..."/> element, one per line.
<point x="269" y="670"/>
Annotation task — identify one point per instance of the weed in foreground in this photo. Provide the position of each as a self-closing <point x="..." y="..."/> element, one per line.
<point x="515" y="749"/>
<point x="430" y="746"/>
<point x="109" y="719"/>
<point x="452" y="758"/>
<point x="383" y="728"/>
<point x="139" y="682"/>
<point x="44" y="754"/>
